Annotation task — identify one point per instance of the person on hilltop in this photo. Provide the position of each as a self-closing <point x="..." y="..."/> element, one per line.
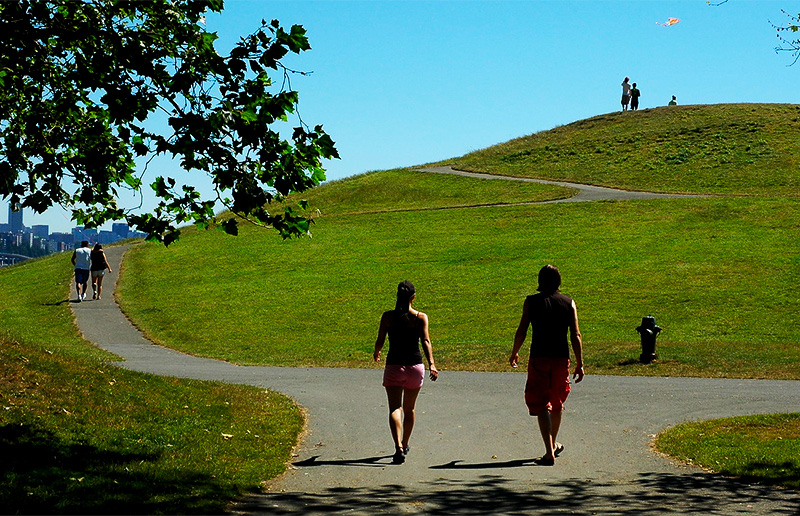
<point x="626" y="93"/>
<point x="81" y="259"/>
<point x="99" y="266"/>
<point x="551" y="316"/>
<point x="635" y="94"/>
<point x="673" y="102"/>
<point x="404" y="370"/>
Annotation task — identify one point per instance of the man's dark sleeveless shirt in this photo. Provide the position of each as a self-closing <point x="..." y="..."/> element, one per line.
<point x="404" y="340"/>
<point x="551" y="316"/>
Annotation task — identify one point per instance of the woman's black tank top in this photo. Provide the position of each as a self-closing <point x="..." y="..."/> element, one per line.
<point x="404" y="339"/>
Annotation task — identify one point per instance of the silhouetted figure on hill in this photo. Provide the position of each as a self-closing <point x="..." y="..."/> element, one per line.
<point x="551" y="316"/>
<point x="404" y="371"/>
<point x="626" y="93"/>
<point x="674" y="101"/>
<point x="635" y="94"/>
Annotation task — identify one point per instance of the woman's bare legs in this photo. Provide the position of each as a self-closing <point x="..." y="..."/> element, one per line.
<point x="99" y="286"/>
<point x="402" y="403"/>
<point x="409" y="415"/>
<point x="395" y="398"/>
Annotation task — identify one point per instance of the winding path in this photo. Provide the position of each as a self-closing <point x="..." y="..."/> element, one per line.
<point x="474" y="442"/>
<point x="585" y="192"/>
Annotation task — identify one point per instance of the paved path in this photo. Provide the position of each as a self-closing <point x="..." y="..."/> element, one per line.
<point x="585" y="192"/>
<point x="473" y="443"/>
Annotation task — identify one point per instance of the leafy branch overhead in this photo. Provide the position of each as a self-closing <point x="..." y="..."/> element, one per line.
<point x="91" y="92"/>
<point x="785" y="33"/>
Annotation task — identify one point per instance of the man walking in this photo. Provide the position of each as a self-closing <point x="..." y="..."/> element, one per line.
<point x="82" y="260"/>
<point x="635" y="94"/>
<point x="551" y="316"/>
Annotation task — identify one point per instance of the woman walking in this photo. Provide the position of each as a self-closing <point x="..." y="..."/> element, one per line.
<point x="404" y="371"/>
<point x="99" y="266"/>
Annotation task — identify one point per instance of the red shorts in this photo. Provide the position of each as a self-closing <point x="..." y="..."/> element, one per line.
<point x="547" y="387"/>
<point x="406" y="376"/>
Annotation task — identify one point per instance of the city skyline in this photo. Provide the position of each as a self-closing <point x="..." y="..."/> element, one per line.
<point x="18" y="239"/>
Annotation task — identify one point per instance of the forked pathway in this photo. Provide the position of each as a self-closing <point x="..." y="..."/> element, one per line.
<point x="473" y="445"/>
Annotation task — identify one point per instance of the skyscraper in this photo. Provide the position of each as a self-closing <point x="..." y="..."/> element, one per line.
<point x="15" y="219"/>
<point x="120" y="229"/>
<point x="40" y="230"/>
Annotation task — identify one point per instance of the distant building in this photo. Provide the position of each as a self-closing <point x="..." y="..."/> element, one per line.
<point x="15" y="218"/>
<point x="80" y="233"/>
<point x="107" y="237"/>
<point x="61" y="238"/>
<point x="41" y="230"/>
<point x="120" y="229"/>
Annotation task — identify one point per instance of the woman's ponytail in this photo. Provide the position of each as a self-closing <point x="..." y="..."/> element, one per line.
<point x="405" y="291"/>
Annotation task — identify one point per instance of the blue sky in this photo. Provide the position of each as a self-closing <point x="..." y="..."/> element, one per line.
<point x="400" y="83"/>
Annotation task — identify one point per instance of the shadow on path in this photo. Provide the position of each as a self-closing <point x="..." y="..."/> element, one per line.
<point x="660" y="493"/>
<point x="460" y="464"/>
<point x="368" y="461"/>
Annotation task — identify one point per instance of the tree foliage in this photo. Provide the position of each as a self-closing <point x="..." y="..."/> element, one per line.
<point x="81" y="84"/>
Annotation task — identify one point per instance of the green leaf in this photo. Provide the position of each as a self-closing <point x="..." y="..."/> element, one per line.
<point x="231" y="227"/>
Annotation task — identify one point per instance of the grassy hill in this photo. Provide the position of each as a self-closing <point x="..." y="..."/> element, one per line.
<point x="709" y="269"/>
<point x="734" y="149"/>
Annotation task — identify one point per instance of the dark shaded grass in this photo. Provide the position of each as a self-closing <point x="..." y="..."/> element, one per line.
<point x="78" y="435"/>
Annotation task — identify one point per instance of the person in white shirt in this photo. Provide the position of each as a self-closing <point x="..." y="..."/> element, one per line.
<point x="626" y="93"/>
<point x="82" y="260"/>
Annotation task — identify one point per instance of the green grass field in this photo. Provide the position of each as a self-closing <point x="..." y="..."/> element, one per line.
<point x="707" y="269"/>
<point x="718" y="273"/>
<point x="78" y="435"/>
<point x="403" y="190"/>
<point x="763" y="449"/>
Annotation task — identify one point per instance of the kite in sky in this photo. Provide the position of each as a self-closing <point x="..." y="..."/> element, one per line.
<point x="670" y="21"/>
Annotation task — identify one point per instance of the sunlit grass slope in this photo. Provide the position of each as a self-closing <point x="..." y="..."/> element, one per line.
<point x="718" y="273"/>
<point x="404" y="190"/>
<point x="78" y="435"/>
<point x="726" y="148"/>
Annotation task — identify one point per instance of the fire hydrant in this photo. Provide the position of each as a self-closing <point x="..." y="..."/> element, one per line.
<point x="649" y="332"/>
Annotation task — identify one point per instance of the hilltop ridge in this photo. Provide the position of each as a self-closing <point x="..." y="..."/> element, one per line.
<point x="747" y="149"/>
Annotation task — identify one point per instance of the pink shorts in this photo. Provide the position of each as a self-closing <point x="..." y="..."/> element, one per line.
<point x="548" y="386"/>
<point x="406" y="376"/>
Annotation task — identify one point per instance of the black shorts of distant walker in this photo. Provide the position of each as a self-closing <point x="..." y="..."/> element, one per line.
<point x="626" y="99"/>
